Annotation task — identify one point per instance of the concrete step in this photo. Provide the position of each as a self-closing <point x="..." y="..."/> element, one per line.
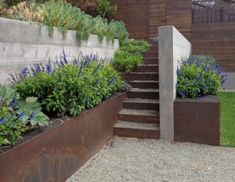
<point x="143" y="93"/>
<point x="151" y="53"/>
<point x="140" y="76"/>
<point x="141" y="116"/>
<point x="144" y="84"/>
<point x="146" y="68"/>
<point x="137" y="130"/>
<point x="136" y="103"/>
<point x="151" y="60"/>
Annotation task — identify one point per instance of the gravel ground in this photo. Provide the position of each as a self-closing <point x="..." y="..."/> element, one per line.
<point x="136" y="160"/>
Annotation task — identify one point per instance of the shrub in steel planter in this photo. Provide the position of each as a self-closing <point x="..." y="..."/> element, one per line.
<point x="199" y="75"/>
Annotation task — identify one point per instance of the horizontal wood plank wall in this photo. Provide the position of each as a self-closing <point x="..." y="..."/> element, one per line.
<point x="179" y="14"/>
<point x="216" y="40"/>
<point x="142" y="17"/>
<point x="157" y="16"/>
<point x="134" y="13"/>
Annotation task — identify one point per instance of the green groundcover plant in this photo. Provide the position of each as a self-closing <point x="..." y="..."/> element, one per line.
<point x="60" y="14"/>
<point x="68" y="88"/>
<point x="130" y="55"/>
<point x="199" y="75"/>
<point x="18" y="115"/>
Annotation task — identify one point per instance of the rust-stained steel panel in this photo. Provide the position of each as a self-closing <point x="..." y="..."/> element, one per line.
<point x="57" y="153"/>
<point x="197" y="120"/>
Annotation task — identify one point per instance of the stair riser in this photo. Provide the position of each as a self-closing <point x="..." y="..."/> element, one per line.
<point x="146" y="69"/>
<point x="144" y="85"/>
<point x="152" y="53"/>
<point x="138" y="118"/>
<point x="131" y="77"/>
<point x="137" y="133"/>
<point x="142" y="106"/>
<point x="150" y="62"/>
<point x="143" y="95"/>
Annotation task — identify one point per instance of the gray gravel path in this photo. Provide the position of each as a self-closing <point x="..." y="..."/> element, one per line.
<point x="135" y="160"/>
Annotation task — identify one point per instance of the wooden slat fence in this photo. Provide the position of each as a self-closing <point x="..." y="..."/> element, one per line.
<point x="211" y="31"/>
<point x="205" y="14"/>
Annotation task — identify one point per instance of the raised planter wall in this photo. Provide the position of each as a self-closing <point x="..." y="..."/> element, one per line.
<point x="23" y="43"/>
<point x="197" y="120"/>
<point x="57" y="153"/>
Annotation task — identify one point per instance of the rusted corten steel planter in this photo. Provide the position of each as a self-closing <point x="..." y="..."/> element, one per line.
<point x="57" y="153"/>
<point x="197" y="120"/>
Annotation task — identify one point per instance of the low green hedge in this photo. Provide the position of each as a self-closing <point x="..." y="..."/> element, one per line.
<point x="199" y="75"/>
<point x="130" y="55"/>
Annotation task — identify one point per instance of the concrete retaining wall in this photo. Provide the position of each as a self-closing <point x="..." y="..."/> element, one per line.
<point x="173" y="47"/>
<point x="23" y="43"/>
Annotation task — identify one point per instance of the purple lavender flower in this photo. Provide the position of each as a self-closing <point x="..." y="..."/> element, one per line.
<point x="112" y="81"/>
<point x="64" y="57"/>
<point x="49" y="68"/>
<point x="25" y="72"/>
<point x="14" y="78"/>
<point x="13" y="103"/>
<point x="80" y="69"/>
<point x="75" y="61"/>
<point x="2" y="121"/>
<point x="21" y="116"/>
<point x="96" y="69"/>
<point x="32" y="115"/>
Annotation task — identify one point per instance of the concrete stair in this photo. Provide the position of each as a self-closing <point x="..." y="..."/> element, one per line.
<point x="141" y="76"/>
<point x="144" y="84"/>
<point x="147" y="68"/>
<point x="141" y="104"/>
<point x="149" y="93"/>
<point x="150" y="60"/>
<point x="137" y="130"/>
<point x="139" y="117"/>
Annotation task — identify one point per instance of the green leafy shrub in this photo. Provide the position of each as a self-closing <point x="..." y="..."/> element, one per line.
<point x="17" y="115"/>
<point x="65" y="16"/>
<point x="130" y="55"/>
<point x="199" y="75"/>
<point x="106" y="9"/>
<point x="125" y="61"/>
<point x="70" y="88"/>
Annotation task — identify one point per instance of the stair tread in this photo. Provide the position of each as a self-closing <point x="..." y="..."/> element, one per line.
<point x="148" y="57"/>
<point x="144" y="90"/>
<point x="148" y="64"/>
<point x="139" y="100"/>
<point x="144" y="81"/>
<point x="137" y="126"/>
<point x="138" y="112"/>
<point x="143" y="73"/>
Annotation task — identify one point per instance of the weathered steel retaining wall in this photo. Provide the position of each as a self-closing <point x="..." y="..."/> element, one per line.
<point x="23" y="43"/>
<point x="57" y="153"/>
<point x="197" y="120"/>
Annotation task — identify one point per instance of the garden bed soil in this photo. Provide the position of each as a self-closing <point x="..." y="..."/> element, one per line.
<point x="61" y="149"/>
<point x="197" y="120"/>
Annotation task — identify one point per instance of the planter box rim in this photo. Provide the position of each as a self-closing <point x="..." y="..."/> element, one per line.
<point x="205" y="98"/>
